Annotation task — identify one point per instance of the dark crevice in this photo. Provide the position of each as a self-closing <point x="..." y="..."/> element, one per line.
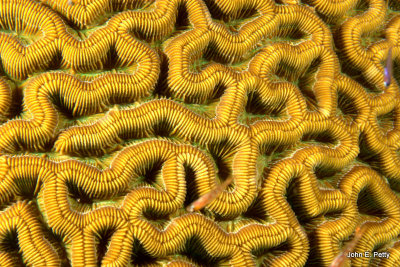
<point x="212" y="55"/>
<point x="102" y="242"/>
<point x="265" y="256"/>
<point x="26" y="187"/>
<point x="386" y="121"/>
<point x="130" y="5"/>
<point x="371" y="160"/>
<point x="306" y="83"/>
<point x="325" y="138"/>
<point x="255" y="106"/>
<point x="162" y="128"/>
<point x="182" y="23"/>
<point x="192" y="193"/>
<point x="368" y="156"/>
<point x="182" y="19"/>
<point x="394" y="5"/>
<point x="314" y="259"/>
<point x="329" y="175"/>
<point x="396" y="72"/>
<point x="218" y="14"/>
<point x="16" y="106"/>
<point x="219" y="90"/>
<point x="273" y="153"/>
<point x="333" y="215"/>
<point x="111" y="59"/>
<point x="324" y="173"/>
<point x="12" y="201"/>
<point x="289" y="32"/>
<point x="140" y="256"/>
<point x="285" y="72"/>
<point x="152" y="215"/>
<point x="295" y="201"/>
<point x="366" y="153"/>
<point x="56" y="241"/>
<point x="358" y="77"/>
<point x="346" y="107"/>
<point x="150" y="172"/>
<point x="215" y="10"/>
<point x="195" y="250"/>
<point x="224" y="170"/>
<point x="367" y="205"/>
<point x="78" y="194"/>
<point x="222" y="154"/>
<point x="394" y="183"/>
<point x="61" y="107"/>
<point x="55" y="62"/>
<point x="362" y="6"/>
<point x="10" y="244"/>
<point x="256" y="210"/>
<point x="141" y="35"/>
<point x="161" y="87"/>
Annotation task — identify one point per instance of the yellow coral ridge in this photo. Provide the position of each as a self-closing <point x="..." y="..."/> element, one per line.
<point x="116" y="115"/>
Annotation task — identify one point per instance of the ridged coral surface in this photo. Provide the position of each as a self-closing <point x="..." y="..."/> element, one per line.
<point x="115" y="115"/>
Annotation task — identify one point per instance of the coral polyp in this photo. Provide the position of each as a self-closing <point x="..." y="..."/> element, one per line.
<point x="199" y="132"/>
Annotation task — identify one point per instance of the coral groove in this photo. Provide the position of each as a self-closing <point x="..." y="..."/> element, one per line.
<point x="116" y="115"/>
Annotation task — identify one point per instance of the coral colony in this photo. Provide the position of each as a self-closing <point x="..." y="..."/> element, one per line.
<point x="199" y="133"/>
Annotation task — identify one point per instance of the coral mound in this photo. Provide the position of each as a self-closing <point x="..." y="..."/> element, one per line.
<point x="115" y="115"/>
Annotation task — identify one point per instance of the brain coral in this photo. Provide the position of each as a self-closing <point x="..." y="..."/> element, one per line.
<point x="116" y="115"/>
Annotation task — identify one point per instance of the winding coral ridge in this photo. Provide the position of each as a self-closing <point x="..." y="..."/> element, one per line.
<point x="116" y="115"/>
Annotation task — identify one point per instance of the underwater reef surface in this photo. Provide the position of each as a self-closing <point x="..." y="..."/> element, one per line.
<point x="117" y="115"/>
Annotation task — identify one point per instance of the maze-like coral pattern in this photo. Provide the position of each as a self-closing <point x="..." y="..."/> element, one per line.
<point x="117" y="114"/>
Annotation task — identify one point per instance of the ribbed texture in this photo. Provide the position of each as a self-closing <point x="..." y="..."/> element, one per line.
<point x="271" y="116"/>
